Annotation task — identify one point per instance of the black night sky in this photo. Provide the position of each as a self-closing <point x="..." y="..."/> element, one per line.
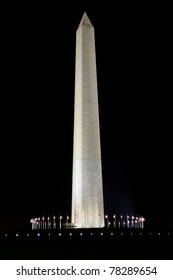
<point x="132" y="50"/>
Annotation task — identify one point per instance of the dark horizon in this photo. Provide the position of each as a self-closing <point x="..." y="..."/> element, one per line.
<point x="38" y="106"/>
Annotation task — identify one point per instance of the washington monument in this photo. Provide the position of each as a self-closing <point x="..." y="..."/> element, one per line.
<point x="87" y="189"/>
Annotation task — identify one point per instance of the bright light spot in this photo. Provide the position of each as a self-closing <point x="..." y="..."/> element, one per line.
<point x="27" y="234"/>
<point x="112" y="233"/>
<point x="168" y="233"/>
<point x="101" y="233"/>
<point x="91" y="233"/>
<point x="49" y="234"/>
<point x="59" y="234"/>
<point x="17" y="235"/>
<point x="140" y="233"/>
<point x="131" y="233"/>
<point x="158" y="233"/>
<point x="38" y="234"/>
<point x="6" y="234"/>
<point x="81" y="234"/>
<point x="70" y="234"/>
<point x="121" y="233"/>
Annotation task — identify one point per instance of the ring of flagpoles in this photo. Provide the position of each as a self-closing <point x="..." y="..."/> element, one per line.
<point x="59" y="221"/>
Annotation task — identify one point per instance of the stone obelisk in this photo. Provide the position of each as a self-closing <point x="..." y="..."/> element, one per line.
<point x="87" y="190"/>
